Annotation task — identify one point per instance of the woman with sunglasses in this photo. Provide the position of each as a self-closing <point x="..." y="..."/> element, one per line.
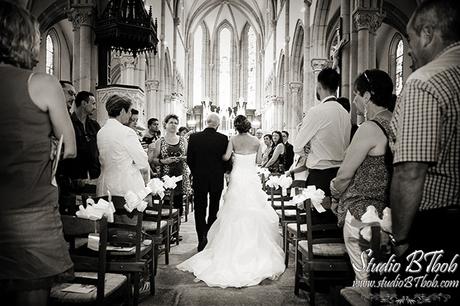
<point x="363" y="180"/>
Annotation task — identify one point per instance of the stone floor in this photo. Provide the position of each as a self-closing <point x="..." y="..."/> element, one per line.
<point x="174" y="287"/>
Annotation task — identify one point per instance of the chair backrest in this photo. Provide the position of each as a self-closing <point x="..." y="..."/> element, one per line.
<point x="320" y="233"/>
<point x="126" y="230"/>
<point x="158" y="204"/>
<point x="276" y="196"/>
<point x="84" y="262"/>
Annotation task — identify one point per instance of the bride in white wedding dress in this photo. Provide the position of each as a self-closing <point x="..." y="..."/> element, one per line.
<point x="243" y="243"/>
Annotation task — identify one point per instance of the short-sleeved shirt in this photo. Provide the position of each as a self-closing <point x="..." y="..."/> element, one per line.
<point x="425" y="127"/>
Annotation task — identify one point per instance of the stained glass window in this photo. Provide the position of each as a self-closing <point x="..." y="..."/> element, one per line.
<point x="251" y="68"/>
<point x="225" y="56"/>
<point x="197" y="66"/>
<point x="399" y="67"/>
<point x="49" y="55"/>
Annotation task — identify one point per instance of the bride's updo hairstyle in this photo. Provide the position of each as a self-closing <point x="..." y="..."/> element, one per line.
<point x="242" y="124"/>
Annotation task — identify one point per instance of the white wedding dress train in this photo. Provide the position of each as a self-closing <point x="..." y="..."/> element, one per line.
<point x="243" y="243"/>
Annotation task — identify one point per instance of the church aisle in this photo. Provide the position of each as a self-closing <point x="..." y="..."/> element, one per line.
<point x="174" y="287"/>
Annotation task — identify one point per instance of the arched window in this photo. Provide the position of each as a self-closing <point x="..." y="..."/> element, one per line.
<point x="399" y="67"/>
<point x="252" y="49"/>
<point x="396" y="62"/>
<point x="197" y="66"/>
<point x="225" y="56"/>
<point x="50" y="65"/>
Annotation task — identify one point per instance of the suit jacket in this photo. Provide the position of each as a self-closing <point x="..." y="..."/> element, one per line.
<point x="288" y="155"/>
<point x="204" y="155"/>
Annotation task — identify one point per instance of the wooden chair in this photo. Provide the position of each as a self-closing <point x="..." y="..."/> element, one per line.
<point x="322" y="257"/>
<point x="295" y="232"/>
<point x="109" y="286"/>
<point x="130" y="250"/>
<point x="158" y="228"/>
<point x="286" y="213"/>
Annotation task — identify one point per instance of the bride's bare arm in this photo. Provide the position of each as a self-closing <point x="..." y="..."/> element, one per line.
<point x="229" y="151"/>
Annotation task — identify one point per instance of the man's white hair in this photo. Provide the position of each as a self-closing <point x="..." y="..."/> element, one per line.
<point x="213" y="120"/>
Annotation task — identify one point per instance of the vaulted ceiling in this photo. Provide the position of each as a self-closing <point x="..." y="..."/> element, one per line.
<point x="236" y="12"/>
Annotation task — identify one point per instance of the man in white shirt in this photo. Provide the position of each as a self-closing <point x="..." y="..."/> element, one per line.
<point x="327" y="127"/>
<point x="124" y="163"/>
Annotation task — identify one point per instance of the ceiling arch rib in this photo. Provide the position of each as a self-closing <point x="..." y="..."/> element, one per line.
<point x="239" y="12"/>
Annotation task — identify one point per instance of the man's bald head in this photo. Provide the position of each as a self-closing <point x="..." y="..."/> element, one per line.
<point x="213" y="121"/>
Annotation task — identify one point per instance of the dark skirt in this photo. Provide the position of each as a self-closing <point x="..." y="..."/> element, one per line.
<point x="32" y="244"/>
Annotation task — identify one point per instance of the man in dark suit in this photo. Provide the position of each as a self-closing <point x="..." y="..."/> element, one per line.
<point x="288" y="151"/>
<point x="204" y="157"/>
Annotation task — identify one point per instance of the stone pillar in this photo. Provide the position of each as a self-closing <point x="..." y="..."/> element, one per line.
<point x="174" y="55"/>
<point x="82" y="15"/>
<point x="274" y="81"/>
<point x="76" y="50"/>
<point x="367" y="20"/>
<point x="308" y="92"/>
<point x="295" y="107"/>
<point x="345" y="56"/>
<point x="318" y="64"/>
<point x="287" y="101"/>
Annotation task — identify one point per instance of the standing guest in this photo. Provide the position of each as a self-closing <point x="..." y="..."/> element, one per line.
<point x="32" y="246"/>
<point x="259" y="133"/>
<point x="169" y="155"/>
<point x="289" y="154"/>
<point x="268" y="142"/>
<point x="75" y="173"/>
<point x="183" y="131"/>
<point x="69" y="93"/>
<point x="363" y="179"/>
<point x="425" y="188"/>
<point x="275" y="162"/>
<point x="132" y="123"/>
<point x="153" y="131"/>
<point x="204" y="157"/>
<point x="327" y="127"/>
<point x="123" y="160"/>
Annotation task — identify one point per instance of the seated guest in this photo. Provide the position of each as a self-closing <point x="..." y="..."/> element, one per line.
<point x="259" y="134"/>
<point x="169" y="154"/>
<point x="32" y="247"/>
<point x="364" y="176"/>
<point x="289" y="151"/>
<point x="268" y="142"/>
<point x="153" y="131"/>
<point x="298" y="170"/>
<point x="74" y="174"/>
<point x="182" y="131"/>
<point x="276" y="157"/>
<point x="123" y="161"/>
<point x="132" y="123"/>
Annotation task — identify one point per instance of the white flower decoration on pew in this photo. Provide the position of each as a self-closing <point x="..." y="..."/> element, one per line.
<point x="171" y="182"/>
<point x="263" y="171"/>
<point x="276" y="182"/>
<point x="156" y="187"/>
<point x="371" y="217"/>
<point x="135" y="201"/>
<point x="95" y="211"/>
<point x="316" y="197"/>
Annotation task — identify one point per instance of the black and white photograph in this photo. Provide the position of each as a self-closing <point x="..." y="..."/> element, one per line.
<point x="229" y="152"/>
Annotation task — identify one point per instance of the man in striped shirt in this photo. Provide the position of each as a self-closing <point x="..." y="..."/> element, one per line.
<point x="425" y="198"/>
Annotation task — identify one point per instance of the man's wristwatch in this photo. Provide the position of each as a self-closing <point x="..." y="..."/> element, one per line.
<point x="396" y="243"/>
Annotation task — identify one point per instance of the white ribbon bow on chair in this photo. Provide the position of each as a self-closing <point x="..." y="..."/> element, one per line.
<point x="316" y="197"/>
<point x="95" y="211"/>
<point x="371" y="216"/>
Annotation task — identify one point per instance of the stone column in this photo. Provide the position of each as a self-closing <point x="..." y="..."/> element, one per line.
<point x="308" y="92"/>
<point x="152" y="98"/>
<point x="345" y="56"/>
<point x="174" y="55"/>
<point x="73" y="17"/>
<point x="295" y="107"/>
<point x="82" y="16"/>
<point x="286" y="91"/>
<point x="367" y="21"/>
